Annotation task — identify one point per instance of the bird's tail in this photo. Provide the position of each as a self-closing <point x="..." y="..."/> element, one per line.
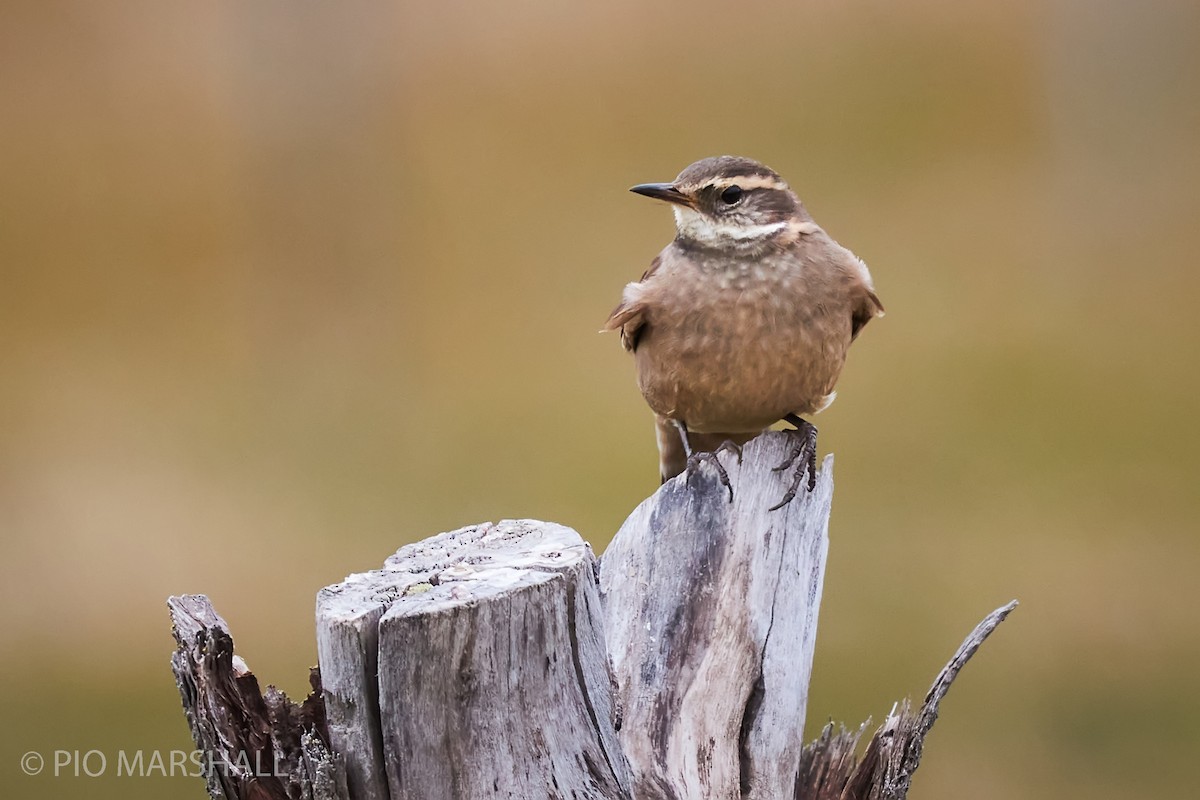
<point x="672" y="458"/>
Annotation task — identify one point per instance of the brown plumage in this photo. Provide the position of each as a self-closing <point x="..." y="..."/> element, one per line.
<point x="745" y="318"/>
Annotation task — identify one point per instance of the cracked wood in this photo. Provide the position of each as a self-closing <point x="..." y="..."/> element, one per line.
<point x="474" y="664"/>
<point x="711" y="617"/>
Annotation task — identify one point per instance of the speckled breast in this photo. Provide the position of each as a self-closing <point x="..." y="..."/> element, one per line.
<point x="736" y="352"/>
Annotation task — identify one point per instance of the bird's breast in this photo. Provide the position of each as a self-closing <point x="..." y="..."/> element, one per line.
<point x="738" y="347"/>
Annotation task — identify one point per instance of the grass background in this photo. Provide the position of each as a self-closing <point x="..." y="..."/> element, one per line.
<point x="288" y="286"/>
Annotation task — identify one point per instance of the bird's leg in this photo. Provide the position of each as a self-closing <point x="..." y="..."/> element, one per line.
<point x="804" y="445"/>
<point x="694" y="459"/>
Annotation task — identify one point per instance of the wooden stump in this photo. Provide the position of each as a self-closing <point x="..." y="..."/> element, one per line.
<point x="256" y="746"/>
<point x="505" y="661"/>
<point x="711" y="615"/>
<point x="496" y="681"/>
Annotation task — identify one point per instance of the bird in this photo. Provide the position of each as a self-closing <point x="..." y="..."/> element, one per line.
<point x="743" y="320"/>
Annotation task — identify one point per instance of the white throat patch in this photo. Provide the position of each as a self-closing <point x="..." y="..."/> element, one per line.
<point x="699" y="228"/>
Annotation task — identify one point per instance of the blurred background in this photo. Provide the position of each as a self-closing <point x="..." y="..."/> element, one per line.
<point x="285" y="286"/>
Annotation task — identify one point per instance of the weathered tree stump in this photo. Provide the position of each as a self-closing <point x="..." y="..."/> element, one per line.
<point x="505" y="661"/>
<point x="711" y="613"/>
<point x="256" y="747"/>
<point x="496" y="680"/>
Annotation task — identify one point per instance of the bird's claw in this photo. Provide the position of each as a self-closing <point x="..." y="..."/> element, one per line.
<point x="804" y="446"/>
<point x="730" y="447"/>
<point x="697" y="458"/>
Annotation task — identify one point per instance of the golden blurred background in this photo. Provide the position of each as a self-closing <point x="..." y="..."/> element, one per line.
<point x="288" y="285"/>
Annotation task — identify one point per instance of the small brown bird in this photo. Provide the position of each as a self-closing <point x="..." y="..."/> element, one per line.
<point x="744" y="319"/>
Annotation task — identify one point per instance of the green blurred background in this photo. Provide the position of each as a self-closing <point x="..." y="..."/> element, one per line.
<point x="286" y="286"/>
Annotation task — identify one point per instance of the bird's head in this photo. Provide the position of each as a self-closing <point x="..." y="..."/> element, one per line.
<point x="729" y="202"/>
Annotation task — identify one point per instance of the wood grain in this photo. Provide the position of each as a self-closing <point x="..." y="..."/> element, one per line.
<point x="493" y="680"/>
<point x="257" y="746"/>
<point x="711" y="615"/>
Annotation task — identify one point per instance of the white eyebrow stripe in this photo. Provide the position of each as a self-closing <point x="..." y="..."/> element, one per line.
<point x="751" y="182"/>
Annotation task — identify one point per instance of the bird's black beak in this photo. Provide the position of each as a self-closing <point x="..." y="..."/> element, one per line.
<point x="663" y="191"/>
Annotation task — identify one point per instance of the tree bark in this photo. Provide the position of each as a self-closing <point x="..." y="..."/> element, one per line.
<point x="256" y="746"/>
<point x="830" y="770"/>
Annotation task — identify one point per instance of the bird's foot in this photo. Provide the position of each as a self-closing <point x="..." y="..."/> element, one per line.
<point x="802" y="458"/>
<point x="695" y="459"/>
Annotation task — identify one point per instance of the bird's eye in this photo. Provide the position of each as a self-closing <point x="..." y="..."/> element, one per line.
<point x="731" y="195"/>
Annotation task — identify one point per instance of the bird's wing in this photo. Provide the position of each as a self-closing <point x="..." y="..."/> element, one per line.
<point x="866" y="305"/>
<point x="866" y="309"/>
<point x="630" y="316"/>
